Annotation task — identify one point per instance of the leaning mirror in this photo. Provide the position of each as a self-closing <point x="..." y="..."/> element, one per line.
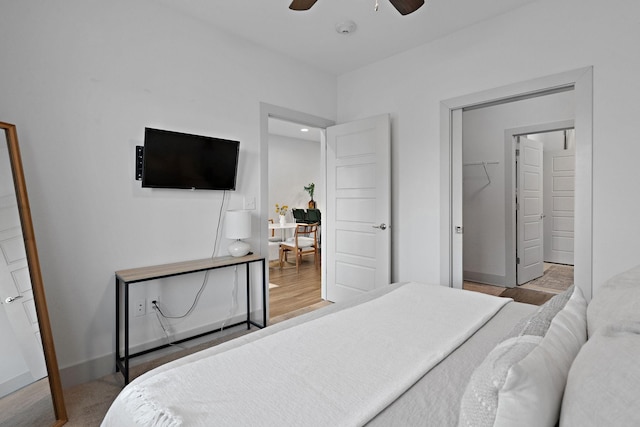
<point x="29" y="377"/>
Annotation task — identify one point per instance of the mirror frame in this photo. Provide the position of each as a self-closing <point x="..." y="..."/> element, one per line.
<point x="37" y="284"/>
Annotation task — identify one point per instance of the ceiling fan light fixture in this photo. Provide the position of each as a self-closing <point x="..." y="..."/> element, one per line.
<point x="405" y="7"/>
<point x="302" y="4"/>
<point x="346" y="27"/>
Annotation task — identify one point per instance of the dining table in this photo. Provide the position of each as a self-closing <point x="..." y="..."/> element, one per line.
<point x="283" y="228"/>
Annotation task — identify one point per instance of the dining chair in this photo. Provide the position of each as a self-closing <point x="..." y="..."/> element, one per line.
<point x="304" y="242"/>
<point x="313" y="216"/>
<point x="299" y="215"/>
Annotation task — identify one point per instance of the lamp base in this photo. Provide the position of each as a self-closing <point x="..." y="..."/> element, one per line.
<point x="239" y="248"/>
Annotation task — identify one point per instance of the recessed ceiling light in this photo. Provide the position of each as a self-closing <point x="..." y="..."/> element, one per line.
<point x="304" y="130"/>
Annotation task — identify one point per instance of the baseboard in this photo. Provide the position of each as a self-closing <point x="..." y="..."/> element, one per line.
<point x="104" y="365"/>
<point x="15" y="383"/>
<point x="487" y="279"/>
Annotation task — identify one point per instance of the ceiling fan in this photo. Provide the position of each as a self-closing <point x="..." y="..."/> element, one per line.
<point x="405" y="7"/>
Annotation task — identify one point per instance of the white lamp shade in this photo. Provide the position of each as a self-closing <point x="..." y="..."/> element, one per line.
<point x="238" y="224"/>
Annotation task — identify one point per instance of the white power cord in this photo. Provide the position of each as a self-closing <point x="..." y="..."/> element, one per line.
<point x="234" y="298"/>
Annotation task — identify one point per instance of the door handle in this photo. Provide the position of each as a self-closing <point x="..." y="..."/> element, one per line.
<point x="9" y="300"/>
<point x="382" y="226"/>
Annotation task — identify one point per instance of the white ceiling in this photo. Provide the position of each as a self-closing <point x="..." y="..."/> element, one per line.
<point x="293" y="130"/>
<point x="310" y="36"/>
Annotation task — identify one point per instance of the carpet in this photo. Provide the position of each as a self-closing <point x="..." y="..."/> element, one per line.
<point x="30" y="406"/>
<point x="556" y="279"/>
<point x="88" y="403"/>
<point x="527" y="296"/>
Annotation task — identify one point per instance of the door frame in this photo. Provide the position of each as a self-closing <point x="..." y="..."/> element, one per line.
<point x="282" y="113"/>
<point x="581" y="81"/>
<point x="510" y="180"/>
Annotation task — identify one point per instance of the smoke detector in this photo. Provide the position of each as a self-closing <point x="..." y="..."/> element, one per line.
<point x="346" y="27"/>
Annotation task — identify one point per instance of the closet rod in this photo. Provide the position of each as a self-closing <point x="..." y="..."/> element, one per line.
<point x="480" y="163"/>
<point x="484" y="165"/>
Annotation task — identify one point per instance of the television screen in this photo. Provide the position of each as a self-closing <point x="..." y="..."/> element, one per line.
<point x="181" y="160"/>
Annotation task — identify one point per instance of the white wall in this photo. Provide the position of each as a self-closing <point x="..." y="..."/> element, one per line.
<point x="569" y="34"/>
<point x="81" y="79"/>
<point x="293" y="164"/>
<point x="484" y="204"/>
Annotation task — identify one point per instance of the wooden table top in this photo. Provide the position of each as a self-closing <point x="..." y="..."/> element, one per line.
<point x="172" y="269"/>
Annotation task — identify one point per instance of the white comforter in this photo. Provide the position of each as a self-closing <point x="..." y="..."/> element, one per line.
<point x="339" y="370"/>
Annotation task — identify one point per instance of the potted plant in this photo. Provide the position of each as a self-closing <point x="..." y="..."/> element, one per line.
<point x="282" y="211"/>
<point x="310" y="189"/>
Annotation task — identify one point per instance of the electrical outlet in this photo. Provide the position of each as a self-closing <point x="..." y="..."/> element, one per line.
<point x="140" y="308"/>
<point x="150" y="301"/>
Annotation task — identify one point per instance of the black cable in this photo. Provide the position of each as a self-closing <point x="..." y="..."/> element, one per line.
<point x="215" y="241"/>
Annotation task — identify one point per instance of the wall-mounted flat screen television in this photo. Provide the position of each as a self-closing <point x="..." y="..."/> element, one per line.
<point x="180" y="160"/>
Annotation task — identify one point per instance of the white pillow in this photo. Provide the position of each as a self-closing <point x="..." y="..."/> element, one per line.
<point x="480" y="400"/>
<point x="603" y="388"/>
<point x="532" y="392"/>
<point x="539" y="322"/>
<point x="616" y="301"/>
<point x="522" y="379"/>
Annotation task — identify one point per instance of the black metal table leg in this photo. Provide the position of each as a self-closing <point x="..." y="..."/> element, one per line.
<point x="264" y="294"/>
<point x="126" y="334"/>
<point x="248" y="298"/>
<point x="117" y="324"/>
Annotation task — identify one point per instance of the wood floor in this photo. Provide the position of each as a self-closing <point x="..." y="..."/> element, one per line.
<point x="556" y="279"/>
<point x="295" y="290"/>
<point x="298" y="292"/>
<point x="482" y="288"/>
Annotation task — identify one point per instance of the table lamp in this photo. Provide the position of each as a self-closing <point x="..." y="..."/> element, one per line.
<point x="238" y="226"/>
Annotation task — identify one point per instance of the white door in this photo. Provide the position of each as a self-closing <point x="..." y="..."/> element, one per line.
<point x="16" y="295"/>
<point x="559" y="191"/>
<point x="358" y="242"/>
<point x="529" y="210"/>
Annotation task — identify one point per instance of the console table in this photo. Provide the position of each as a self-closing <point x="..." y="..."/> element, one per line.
<point x="125" y="278"/>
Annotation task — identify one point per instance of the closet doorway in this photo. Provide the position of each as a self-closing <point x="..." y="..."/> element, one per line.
<point x="455" y="236"/>
<point x="542" y="196"/>
<point x="503" y="187"/>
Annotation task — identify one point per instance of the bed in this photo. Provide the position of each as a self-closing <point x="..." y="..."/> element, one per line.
<point x="408" y="354"/>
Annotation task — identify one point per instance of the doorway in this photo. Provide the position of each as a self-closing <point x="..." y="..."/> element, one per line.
<point x="580" y="81"/>
<point x="294" y="153"/>
<point x="539" y="210"/>
<point x="271" y="112"/>
<point x="356" y="170"/>
<point x="554" y="262"/>
<point x="544" y="200"/>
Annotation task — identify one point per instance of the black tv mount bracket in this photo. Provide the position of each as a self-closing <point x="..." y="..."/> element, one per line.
<point x="139" y="157"/>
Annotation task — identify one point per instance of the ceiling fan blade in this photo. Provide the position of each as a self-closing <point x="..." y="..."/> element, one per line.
<point x="301" y="4"/>
<point x="406" y="7"/>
